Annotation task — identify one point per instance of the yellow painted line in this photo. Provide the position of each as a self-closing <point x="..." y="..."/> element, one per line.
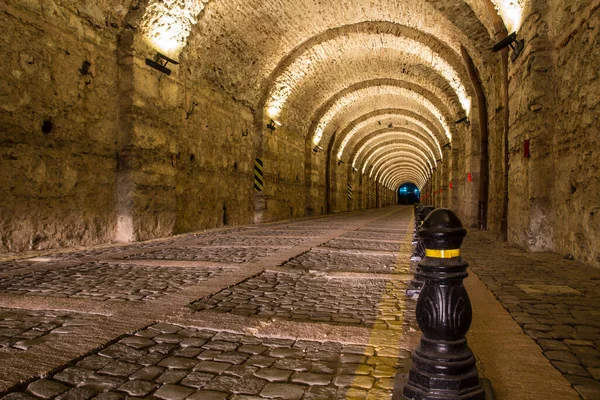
<point x="442" y="253"/>
<point x="388" y="334"/>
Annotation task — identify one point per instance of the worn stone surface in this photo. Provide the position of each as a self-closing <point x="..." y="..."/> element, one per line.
<point x="564" y="324"/>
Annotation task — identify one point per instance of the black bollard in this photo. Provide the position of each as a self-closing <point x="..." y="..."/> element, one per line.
<point x="413" y="287"/>
<point x="419" y="251"/>
<point x="443" y="367"/>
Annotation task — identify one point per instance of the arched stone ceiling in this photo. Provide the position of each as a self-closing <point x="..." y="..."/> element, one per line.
<point x="350" y="123"/>
<point x="380" y="138"/>
<point x="239" y="43"/>
<point x="403" y="173"/>
<point x="393" y="142"/>
<point x="399" y="118"/>
<point x="398" y="179"/>
<point x="340" y="78"/>
<point x="412" y="48"/>
<point x="398" y="155"/>
<point x="402" y="166"/>
<point x="333" y="71"/>
<point x="370" y="95"/>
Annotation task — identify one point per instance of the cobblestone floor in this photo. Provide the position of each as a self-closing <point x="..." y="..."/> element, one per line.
<point x="55" y="355"/>
<point x="106" y="281"/>
<point x="227" y="254"/>
<point x="322" y="259"/>
<point x="555" y="301"/>
<point x="171" y="362"/>
<point x="310" y="297"/>
<point x="22" y="329"/>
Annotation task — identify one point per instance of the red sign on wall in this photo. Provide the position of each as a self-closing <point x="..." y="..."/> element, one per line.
<point x="470" y="177"/>
<point x="451" y="185"/>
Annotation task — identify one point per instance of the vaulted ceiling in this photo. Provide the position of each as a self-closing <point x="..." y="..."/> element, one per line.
<point x="384" y="79"/>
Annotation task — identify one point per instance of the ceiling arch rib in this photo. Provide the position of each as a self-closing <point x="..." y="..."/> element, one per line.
<point x="398" y="171"/>
<point x="407" y="176"/>
<point x="348" y="73"/>
<point x="399" y="117"/>
<point x="392" y="139"/>
<point x="388" y="161"/>
<point x="389" y="148"/>
<point x="423" y="48"/>
<point x="402" y="167"/>
<point x="395" y="152"/>
<point x="400" y="179"/>
<point x="370" y="95"/>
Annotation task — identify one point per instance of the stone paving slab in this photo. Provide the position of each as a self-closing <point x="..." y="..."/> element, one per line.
<point x="171" y="362"/>
<point x="287" y="232"/>
<point x="11" y="266"/>
<point x="23" y="329"/>
<point x="107" y="281"/>
<point x="255" y="241"/>
<point x="375" y="236"/>
<point x="320" y="259"/>
<point x="315" y="298"/>
<point x="364" y="244"/>
<point x="229" y="254"/>
<point x="564" y="323"/>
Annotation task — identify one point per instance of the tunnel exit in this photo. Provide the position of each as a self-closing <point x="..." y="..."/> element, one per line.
<point x="408" y="194"/>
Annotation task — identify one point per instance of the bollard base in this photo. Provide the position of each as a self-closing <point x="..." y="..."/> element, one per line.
<point x="402" y="378"/>
<point x="414" y="288"/>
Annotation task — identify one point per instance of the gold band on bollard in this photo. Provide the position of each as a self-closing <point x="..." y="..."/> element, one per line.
<point x="442" y="253"/>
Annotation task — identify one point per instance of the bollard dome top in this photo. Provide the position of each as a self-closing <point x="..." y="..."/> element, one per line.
<point x="442" y="230"/>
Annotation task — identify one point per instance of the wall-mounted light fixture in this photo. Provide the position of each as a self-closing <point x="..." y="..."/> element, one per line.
<point x="447" y="146"/>
<point x="464" y="119"/>
<point x="272" y="125"/>
<point x="317" y="149"/>
<point x="340" y="161"/>
<point x="511" y="41"/>
<point x="160" y="63"/>
<point x="354" y="169"/>
<point x="438" y="161"/>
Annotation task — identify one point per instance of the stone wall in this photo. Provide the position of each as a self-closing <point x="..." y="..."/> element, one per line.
<point x="58" y="113"/>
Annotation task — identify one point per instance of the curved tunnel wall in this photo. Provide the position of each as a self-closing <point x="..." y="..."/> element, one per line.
<point x="98" y="147"/>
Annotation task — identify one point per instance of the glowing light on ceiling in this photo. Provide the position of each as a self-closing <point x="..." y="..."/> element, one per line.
<point x="408" y="153"/>
<point x="394" y="162"/>
<point x="400" y="178"/>
<point x="511" y="12"/>
<point x="413" y="51"/>
<point x="369" y="94"/>
<point x="391" y="177"/>
<point x="402" y="149"/>
<point x="167" y="24"/>
<point x="387" y="135"/>
<point x="397" y="169"/>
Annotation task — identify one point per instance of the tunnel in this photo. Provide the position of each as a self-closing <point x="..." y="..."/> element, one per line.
<point x="170" y="168"/>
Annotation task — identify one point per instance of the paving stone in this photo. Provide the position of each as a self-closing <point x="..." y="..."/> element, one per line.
<point x="208" y="395"/>
<point x="147" y="373"/>
<point x="108" y="396"/>
<point x="17" y="396"/>
<point x="222" y="383"/>
<point x="197" y="379"/>
<point x="248" y="385"/>
<point x="46" y="389"/>
<point x="173" y="392"/>
<point x="77" y="394"/>
<point x="72" y="375"/>
<point x="119" y="368"/>
<point x="284" y="391"/>
<point x="137" y="388"/>
<point x="312" y="379"/>
<point x="178" y="363"/>
<point x="561" y="356"/>
<point x="172" y="376"/>
<point x="274" y="374"/>
<point x="212" y="367"/>
<point x="108" y="282"/>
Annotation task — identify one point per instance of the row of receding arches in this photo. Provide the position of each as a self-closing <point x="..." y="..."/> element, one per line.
<point x="381" y="87"/>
